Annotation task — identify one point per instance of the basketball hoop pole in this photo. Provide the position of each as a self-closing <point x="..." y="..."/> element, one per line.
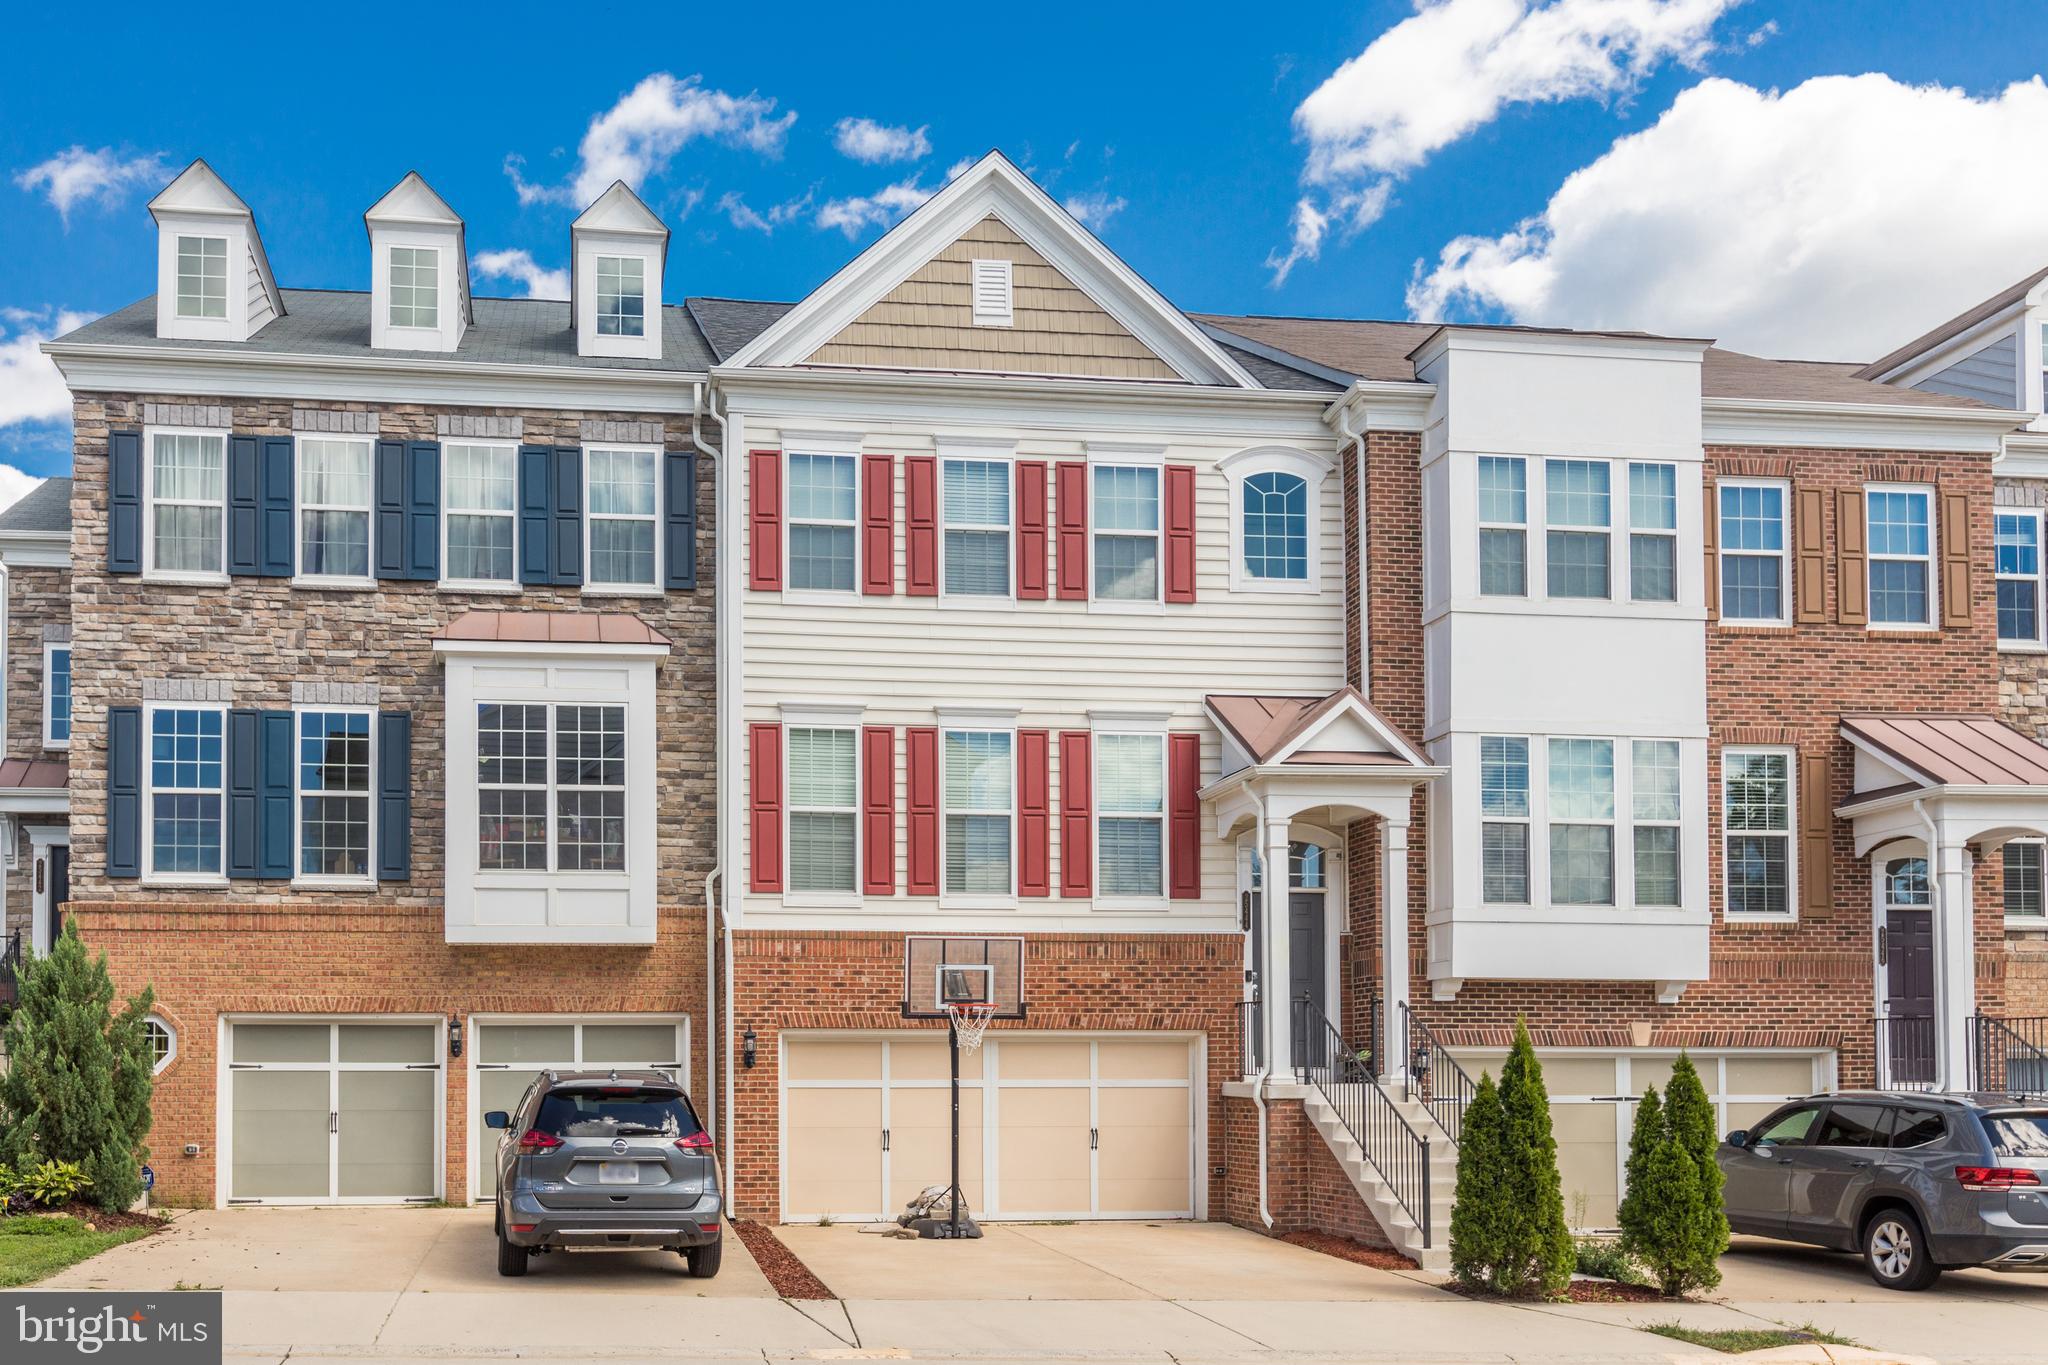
<point x="953" y="1046"/>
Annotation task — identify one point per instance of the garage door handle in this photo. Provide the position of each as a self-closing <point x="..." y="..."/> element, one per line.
<point x="1094" y="1138"/>
<point x="885" y="1139"/>
<point x="333" y="1121"/>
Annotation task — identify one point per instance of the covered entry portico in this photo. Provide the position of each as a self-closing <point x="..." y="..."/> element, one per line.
<point x="1296" y="771"/>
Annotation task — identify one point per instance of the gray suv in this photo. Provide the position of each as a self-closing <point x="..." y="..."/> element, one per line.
<point x="1916" y="1182"/>
<point x="606" y="1159"/>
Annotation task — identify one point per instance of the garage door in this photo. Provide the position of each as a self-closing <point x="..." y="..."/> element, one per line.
<point x="1049" y="1127"/>
<point x="333" y="1112"/>
<point x="1593" y="1098"/>
<point x="510" y="1053"/>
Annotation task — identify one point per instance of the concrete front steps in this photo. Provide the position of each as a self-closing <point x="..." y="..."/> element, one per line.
<point x="1400" y="1228"/>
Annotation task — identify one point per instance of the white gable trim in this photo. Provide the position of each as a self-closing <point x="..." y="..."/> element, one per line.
<point x="1355" y="709"/>
<point x="995" y="187"/>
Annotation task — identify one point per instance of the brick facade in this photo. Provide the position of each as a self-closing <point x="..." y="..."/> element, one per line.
<point x="1306" y="1190"/>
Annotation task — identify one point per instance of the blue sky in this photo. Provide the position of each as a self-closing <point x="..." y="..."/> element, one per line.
<point x="1724" y="185"/>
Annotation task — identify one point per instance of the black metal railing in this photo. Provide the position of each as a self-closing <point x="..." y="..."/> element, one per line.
<point x="1434" y="1076"/>
<point x="10" y="968"/>
<point x="1398" y="1153"/>
<point x="1908" y="1052"/>
<point x="1251" y="1038"/>
<point x="2009" y="1056"/>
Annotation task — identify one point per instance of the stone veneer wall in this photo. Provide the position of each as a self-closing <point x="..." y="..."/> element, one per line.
<point x="38" y="600"/>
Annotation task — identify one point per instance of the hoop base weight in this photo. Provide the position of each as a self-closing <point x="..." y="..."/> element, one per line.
<point x="942" y="1229"/>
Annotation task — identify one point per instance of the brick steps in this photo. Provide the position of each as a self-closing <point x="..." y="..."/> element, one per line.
<point x="1400" y="1228"/>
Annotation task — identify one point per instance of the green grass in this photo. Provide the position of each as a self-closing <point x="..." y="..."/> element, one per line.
<point x="32" y="1247"/>
<point x="1735" y="1341"/>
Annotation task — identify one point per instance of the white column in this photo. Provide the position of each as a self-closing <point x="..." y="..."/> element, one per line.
<point x="1955" y="955"/>
<point x="1393" y="947"/>
<point x="1276" y="915"/>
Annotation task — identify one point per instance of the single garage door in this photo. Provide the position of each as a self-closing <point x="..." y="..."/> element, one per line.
<point x="1049" y="1127"/>
<point x="334" y="1111"/>
<point x="510" y="1053"/>
<point x="1593" y="1097"/>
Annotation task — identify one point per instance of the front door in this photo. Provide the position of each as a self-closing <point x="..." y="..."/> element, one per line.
<point x="1908" y="1041"/>
<point x="1307" y="968"/>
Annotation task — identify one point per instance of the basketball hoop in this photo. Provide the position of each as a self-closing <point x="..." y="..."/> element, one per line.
<point x="970" y="1021"/>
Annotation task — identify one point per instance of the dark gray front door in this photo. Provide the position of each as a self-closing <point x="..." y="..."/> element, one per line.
<point x="1307" y="965"/>
<point x="1909" y="995"/>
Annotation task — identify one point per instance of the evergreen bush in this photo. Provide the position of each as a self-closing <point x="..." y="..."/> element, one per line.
<point x="1480" y="1211"/>
<point x="1508" y="1232"/>
<point x="1672" y="1218"/>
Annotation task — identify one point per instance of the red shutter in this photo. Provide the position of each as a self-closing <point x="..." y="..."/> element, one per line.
<point x="1180" y="532"/>
<point x="922" y="744"/>
<point x="764" y="520"/>
<point x="1034" y="810"/>
<point x="1031" y="530"/>
<point x="921" y="501"/>
<point x="1071" y="484"/>
<point x="878" y="810"/>
<point x="1077" y="838"/>
<point x="1183" y="817"/>
<point x="764" y="805"/>
<point x="877" y="525"/>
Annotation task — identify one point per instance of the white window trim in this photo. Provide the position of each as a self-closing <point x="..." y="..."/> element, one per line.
<point x="1932" y="559"/>
<point x="1009" y="528"/>
<point x="1636" y="822"/>
<point x="150" y="571"/>
<point x="1791" y="757"/>
<point x="597" y="268"/>
<point x="1530" y="560"/>
<point x="300" y="507"/>
<point x="317" y="881"/>
<point x="157" y="1068"/>
<point x="1620" y="876"/>
<point x="591" y="587"/>
<point x="50" y="648"/>
<point x="391" y="321"/>
<point x="822" y="900"/>
<point x="1783" y="554"/>
<point x="150" y="876"/>
<point x="975" y="900"/>
<point x="177" y="276"/>
<point x="1527" y="820"/>
<point x="449" y="512"/>
<point x="2039" y="578"/>
<point x="2035" y="922"/>
<point x="1125" y="901"/>
<point x="995" y="273"/>
<point x="1604" y="530"/>
<point x="1669" y="533"/>
<point x="1236" y="468"/>
<point x="836" y="451"/>
<point x="1134" y="605"/>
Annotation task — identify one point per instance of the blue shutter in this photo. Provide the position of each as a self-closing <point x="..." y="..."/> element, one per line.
<point x="679" y="518"/>
<point x="124" y="509"/>
<point x="389" y="511"/>
<point x="124" y="790"/>
<point x="423" y="510"/>
<point x="274" y="795"/>
<point x="244" y="505"/>
<point x="536" y="514"/>
<point x="276" y="541"/>
<point x="568" y="514"/>
<point x="394" y="797"/>
<point x="245" y="812"/>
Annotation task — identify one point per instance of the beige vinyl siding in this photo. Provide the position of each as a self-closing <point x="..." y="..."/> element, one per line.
<point x="927" y="322"/>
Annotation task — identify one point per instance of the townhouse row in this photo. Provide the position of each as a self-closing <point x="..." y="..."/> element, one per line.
<point x="424" y="690"/>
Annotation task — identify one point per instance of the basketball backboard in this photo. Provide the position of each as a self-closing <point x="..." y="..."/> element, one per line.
<point x="940" y="971"/>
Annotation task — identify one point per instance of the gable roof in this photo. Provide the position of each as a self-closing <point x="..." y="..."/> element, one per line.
<point x="1954" y="327"/>
<point x="1292" y="729"/>
<point x="44" y="509"/>
<point x="413" y="200"/>
<point x="1952" y="750"/>
<point x="618" y="209"/>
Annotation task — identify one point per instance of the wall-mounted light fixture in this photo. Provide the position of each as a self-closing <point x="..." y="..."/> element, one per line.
<point x="748" y="1050"/>
<point x="454" y="1035"/>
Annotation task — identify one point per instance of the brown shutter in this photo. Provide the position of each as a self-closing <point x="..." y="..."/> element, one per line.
<point x="1032" y="531"/>
<point x="921" y="745"/>
<point x="1816" y="833"/>
<point x="1810" y="559"/>
<point x="1955" y="558"/>
<point x="1034" y="807"/>
<point x="1852" y="563"/>
<point x="878" y="810"/>
<point x="1710" y="536"/>
<point x="764" y="802"/>
<point x="877" y="525"/>
<point x="921" y="525"/>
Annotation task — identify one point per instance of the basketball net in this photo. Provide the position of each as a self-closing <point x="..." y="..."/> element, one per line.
<point x="970" y="1021"/>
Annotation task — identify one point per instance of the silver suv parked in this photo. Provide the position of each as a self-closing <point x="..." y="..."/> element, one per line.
<point x="606" y="1159"/>
<point x="1916" y="1182"/>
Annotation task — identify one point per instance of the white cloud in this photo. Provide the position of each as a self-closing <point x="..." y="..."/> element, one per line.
<point x="855" y="214"/>
<point x="78" y="175"/>
<point x="748" y="219"/>
<point x="959" y="168"/>
<point x="637" y="137"/>
<point x="31" y="390"/>
<point x="865" y="140"/>
<point x="1094" y="210"/>
<point x="1834" y="220"/>
<point x="520" y="267"/>
<point x="14" y="485"/>
<point x="1451" y="68"/>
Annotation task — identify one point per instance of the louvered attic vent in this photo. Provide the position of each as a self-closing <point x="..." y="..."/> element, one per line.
<point x="992" y="294"/>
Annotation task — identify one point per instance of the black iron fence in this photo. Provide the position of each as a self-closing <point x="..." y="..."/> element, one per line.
<point x="1434" y="1076"/>
<point x="2009" y="1055"/>
<point x="10" y="968"/>
<point x="1251" y="1038"/>
<point x="1398" y="1153"/>
<point x="1908" y="1052"/>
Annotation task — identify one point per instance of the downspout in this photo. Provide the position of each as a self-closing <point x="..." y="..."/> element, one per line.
<point x="1265" y="1059"/>
<point x="717" y="928"/>
<point x="1354" y="437"/>
<point x="1939" y="904"/>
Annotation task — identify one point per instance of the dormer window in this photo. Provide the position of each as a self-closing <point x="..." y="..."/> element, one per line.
<point x="213" y="282"/>
<point x="621" y="296"/>
<point x="202" y="277"/>
<point x="419" y="271"/>
<point x="616" y="249"/>
<point x="415" y="286"/>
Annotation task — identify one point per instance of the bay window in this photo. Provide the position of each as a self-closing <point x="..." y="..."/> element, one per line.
<point x="1901" y="527"/>
<point x="334" y="508"/>
<point x="822" y="814"/>
<point x="976" y="507"/>
<point x="1503" y="526"/>
<point x="1581" y="790"/>
<point x="1654" y="784"/>
<point x="1653" y="532"/>
<point x="978" y="785"/>
<point x="551" y="787"/>
<point x="622" y="528"/>
<point x="821" y="522"/>
<point x="1578" y="517"/>
<point x="1126" y="522"/>
<point x="1756" y="831"/>
<point x="1504" y="831"/>
<point x="334" y="795"/>
<point x="481" y="505"/>
<point x="1130" y="818"/>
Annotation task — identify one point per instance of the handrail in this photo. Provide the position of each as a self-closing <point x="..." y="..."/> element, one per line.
<point x="1906" y="1052"/>
<point x="1446" y="1087"/>
<point x="2030" y="1075"/>
<point x="1251" y="1045"/>
<point x="1393" y="1149"/>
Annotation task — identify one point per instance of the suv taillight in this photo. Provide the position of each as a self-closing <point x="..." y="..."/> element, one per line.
<point x="695" y="1142"/>
<point x="533" y="1140"/>
<point x="1995" y="1177"/>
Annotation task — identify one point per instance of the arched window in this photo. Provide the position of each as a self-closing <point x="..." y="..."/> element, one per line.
<point x="163" y="1042"/>
<point x="1276" y="525"/>
<point x="1276" y="518"/>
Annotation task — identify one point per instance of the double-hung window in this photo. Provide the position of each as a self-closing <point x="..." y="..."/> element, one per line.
<point x="978" y="788"/>
<point x="1753" y="551"/>
<point x="415" y="286"/>
<point x="1504" y="812"/>
<point x="1653" y="532"/>
<point x="2018" y="563"/>
<point x="334" y="508"/>
<point x="1130" y="799"/>
<point x="1275" y="526"/>
<point x="202" y="277"/>
<point x="1901" y="523"/>
<point x="1581" y="791"/>
<point x="481" y="509"/>
<point x="977" y="512"/>
<point x="1126" y="533"/>
<point x="1654" y="788"/>
<point x="590" y="788"/>
<point x="621" y="296"/>
<point x="622" y="529"/>
<point x="334" y="795"/>
<point x="2023" y="880"/>
<point x="187" y="503"/>
<point x="822" y="815"/>
<point x="56" y="695"/>
<point x="185" y="770"/>
<point x="551" y="787"/>
<point x="1756" y="831"/>
<point x="1503" y="526"/>
<point x="1578" y="515"/>
<point x="821" y="522"/>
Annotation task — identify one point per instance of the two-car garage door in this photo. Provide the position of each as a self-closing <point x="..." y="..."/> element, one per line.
<point x="1050" y="1127"/>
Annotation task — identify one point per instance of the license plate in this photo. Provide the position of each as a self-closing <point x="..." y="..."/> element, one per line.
<point x="618" y="1172"/>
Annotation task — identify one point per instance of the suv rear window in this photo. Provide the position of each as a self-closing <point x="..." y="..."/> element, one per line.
<point x="2023" y="1135"/>
<point x="616" y="1111"/>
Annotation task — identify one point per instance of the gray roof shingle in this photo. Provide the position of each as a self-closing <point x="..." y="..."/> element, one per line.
<point x="46" y="507"/>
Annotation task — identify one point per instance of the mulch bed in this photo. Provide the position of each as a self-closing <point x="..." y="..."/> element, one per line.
<point x="787" y="1275"/>
<point x="1579" y="1291"/>
<point x="1344" y="1249"/>
<point x="104" y="1221"/>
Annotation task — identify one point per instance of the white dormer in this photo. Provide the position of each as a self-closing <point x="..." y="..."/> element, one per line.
<point x="213" y="282"/>
<point x="419" y="270"/>
<point x="617" y="249"/>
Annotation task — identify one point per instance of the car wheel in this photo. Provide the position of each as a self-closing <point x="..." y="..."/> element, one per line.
<point x="512" y="1260"/>
<point x="1895" y="1248"/>
<point x="704" y="1260"/>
